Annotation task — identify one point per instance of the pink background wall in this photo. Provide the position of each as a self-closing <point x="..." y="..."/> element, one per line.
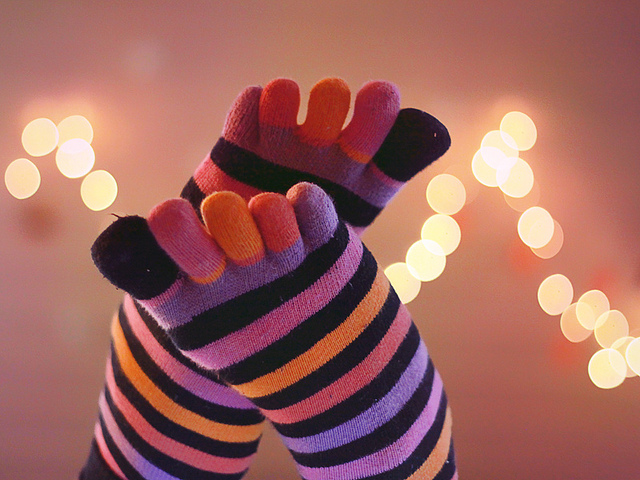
<point x="156" y="79"/>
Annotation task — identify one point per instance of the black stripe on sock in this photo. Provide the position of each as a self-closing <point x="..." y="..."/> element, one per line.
<point x="239" y="312"/>
<point x="173" y="430"/>
<point x="95" y="467"/>
<point x="251" y="169"/>
<point x="194" y="195"/>
<point x="362" y="399"/>
<point x="126" y="468"/>
<point x="380" y="438"/>
<point x="449" y="468"/>
<point x="211" y="411"/>
<point x="166" y="342"/>
<point x="339" y="365"/>
<point x="310" y="331"/>
<point x="160" y="460"/>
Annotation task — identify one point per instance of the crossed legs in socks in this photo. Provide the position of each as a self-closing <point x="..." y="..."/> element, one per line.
<point x="182" y="418"/>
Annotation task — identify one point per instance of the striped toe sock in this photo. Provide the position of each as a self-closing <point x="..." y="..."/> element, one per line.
<point x="163" y="417"/>
<point x="282" y="300"/>
<point x="263" y="149"/>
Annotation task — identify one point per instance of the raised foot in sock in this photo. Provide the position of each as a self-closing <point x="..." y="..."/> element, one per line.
<point x="361" y="166"/>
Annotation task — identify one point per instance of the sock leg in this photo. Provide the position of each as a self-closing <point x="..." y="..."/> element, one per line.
<point x="313" y="335"/>
<point x="160" y="415"/>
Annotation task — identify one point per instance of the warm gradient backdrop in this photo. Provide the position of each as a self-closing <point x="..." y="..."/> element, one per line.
<point x="156" y="79"/>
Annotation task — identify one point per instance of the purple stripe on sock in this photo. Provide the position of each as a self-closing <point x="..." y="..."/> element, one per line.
<point x="234" y="348"/>
<point x="389" y="457"/>
<point x="365" y="423"/>
<point x="137" y="461"/>
<point x="365" y="180"/>
<point x="234" y="281"/>
<point x="181" y="374"/>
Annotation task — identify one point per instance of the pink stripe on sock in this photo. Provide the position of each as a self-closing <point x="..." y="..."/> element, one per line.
<point x="389" y="457"/>
<point x="168" y="446"/>
<point x="261" y="333"/>
<point x="181" y="374"/>
<point x="353" y="381"/>
<point x="137" y="461"/>
<point x="106" y="454"/>
<point x="210" y="179"/>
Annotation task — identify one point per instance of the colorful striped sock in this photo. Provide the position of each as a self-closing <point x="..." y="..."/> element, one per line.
<point x="263" y="149"/>
<point x="283" y="301"/>
<point x="415" y="140"/>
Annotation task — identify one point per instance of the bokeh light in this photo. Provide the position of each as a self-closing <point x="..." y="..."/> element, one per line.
<point x="98" y="190"/>
<point x="484" y="173"/>
<point x="501" y="141"/>
<point x="633" y="355"/>
<point x="443" y="230"/>
<point x="555" y="294"/>
<point x="40" y="137"/>
<point x="497" y="159"/>
<point x="406" y="285"/>
<point x="554" y="246"/>
<point x="529" y="200"/>
<point x="519" y="181"/>
<point x="75" y="126"/>
<point x="464" y="173"/>
<point x="426" y="260"/>
<point x="607" y="368"/>
<point x="22" y="178"/>
<point x="535" y="227"/>
<point x="571" y="327"/>
<point x="446" y="194"/>
<point x="520" y="131"/>
<point x="590" y="306"/>
<point x="75" y="158"/>
<point x="621" y="345"/>
<point x="611" y="326"/>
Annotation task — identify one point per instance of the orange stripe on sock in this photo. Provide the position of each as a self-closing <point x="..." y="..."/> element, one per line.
<point x="323" y="351"/>
<point x="432" y="466"/>
<point x="361" y="375"/>
<point x="171" y="410"/>
<point x="172" y="448"/>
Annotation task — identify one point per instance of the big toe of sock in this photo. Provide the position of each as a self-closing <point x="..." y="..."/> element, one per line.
<point x="415" y="141"/>
<point x="129" y="256"/>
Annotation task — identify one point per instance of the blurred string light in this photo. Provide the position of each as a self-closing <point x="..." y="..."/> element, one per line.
<point x="98" y="190"/>
<point x="40" y="137"/>
<point x="75" y="158"/>
<point x="75" y="126"/>
<point x="406" y="285"/>
<point x="536" y="227"/>
<point x="22" y="178"/>
<point x="440" y="236"/>
<point x="607" y="368"/>
<point x="497" y="163"/>
<point x="555" y="294"/>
